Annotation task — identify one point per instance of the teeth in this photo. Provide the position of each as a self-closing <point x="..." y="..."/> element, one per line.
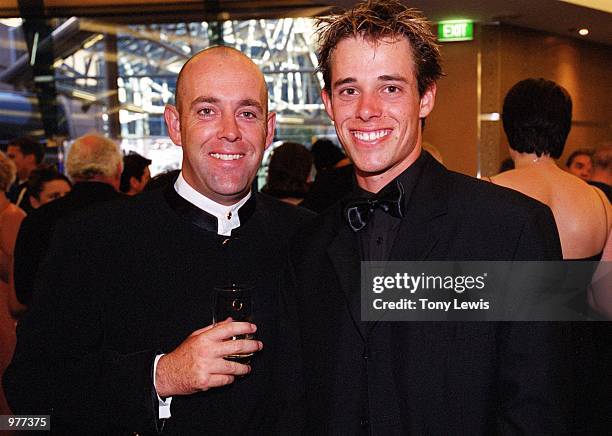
<point x="370" y="136"/>
<point x="226" y="156"/>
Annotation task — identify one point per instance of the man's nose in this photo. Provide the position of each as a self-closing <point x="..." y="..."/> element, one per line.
<point x="229" y="129"/>
<point x="369" y="106"/>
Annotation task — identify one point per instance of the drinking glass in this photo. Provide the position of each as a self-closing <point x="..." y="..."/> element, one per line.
<point x="236" y="302"/>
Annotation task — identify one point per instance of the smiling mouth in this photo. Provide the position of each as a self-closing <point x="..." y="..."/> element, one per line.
<point x="370" y="136"/>
<point x="223" y="156"/>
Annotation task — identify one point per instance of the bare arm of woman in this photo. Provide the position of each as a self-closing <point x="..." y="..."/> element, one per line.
<point x="600" y="291"/>
<point x="9" y="227"/>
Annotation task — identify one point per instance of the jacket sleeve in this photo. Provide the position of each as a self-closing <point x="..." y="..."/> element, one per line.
<point x="534" y="357"/>
<point x="539" y="238"/>
<point x="61" y="365"/>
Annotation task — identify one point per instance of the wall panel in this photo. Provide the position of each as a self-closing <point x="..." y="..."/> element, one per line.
<point x="509" y="54"/>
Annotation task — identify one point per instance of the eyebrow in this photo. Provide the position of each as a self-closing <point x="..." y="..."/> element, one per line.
<point x="204" y="100"/>
<point x="392" y="78"/>
<point x="214" y="100"/>
<point x="251" y="102"/>
<point x="344" y="81"/>
<point x="383" y="78"/>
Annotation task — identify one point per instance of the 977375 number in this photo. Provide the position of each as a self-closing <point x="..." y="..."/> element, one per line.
<point x="25" y="422"/>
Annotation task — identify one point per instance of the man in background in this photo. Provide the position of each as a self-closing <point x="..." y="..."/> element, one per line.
<point x="601" y="176"/>
<point x="94" y="164"/>
<point x="136" y="173"/>
<point x="580" y="164"/>
<point x="27" y="154"/>
<point x="120" y="339"/>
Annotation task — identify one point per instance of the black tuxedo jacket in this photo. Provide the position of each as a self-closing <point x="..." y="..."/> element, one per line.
<point x="419" y="377"/>
<point x="130" y="279"/>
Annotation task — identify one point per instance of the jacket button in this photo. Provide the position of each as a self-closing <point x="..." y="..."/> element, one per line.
<point x="364" y="422"/>
<point x="365" y="355"/>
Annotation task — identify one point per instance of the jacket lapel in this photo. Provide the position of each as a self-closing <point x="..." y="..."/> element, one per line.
<point x="344" y="254"/>
<point x="426" y="220"/>
<point x="423" y="231"/>
<point x="423" y="235"/>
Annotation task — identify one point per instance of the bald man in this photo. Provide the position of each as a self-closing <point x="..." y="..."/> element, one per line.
<point x="121" y="339"/>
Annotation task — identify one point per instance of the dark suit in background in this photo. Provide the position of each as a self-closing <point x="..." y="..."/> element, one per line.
<point x="20" y="196"/>
<point x="329" y="187"/>
<point x="607" y="189"/>
<point x="428" y="378"/>
<point x="37" y="228"/>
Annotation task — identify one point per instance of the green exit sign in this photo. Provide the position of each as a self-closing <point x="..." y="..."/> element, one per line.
<point x="455" y="30"/>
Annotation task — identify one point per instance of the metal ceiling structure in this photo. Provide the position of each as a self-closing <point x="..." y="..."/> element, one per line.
<point x="149" y="56"/>
<point x="559" y="17"/>
<point x="159" y="11"/>
<point x="141" y="45"/>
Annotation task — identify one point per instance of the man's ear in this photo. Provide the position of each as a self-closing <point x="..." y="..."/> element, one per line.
<point x="271" y="126"/>
<point x="328" y="104"/>
<point x="34" y="202"/>
<point x="173" y="122"/>
<point x="135" y="183"/>
<point x="427" y="101"/>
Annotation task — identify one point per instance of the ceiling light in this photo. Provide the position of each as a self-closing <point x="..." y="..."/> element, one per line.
<point x="11" y="22"/>
<point x="583" y="32"/>
<point x="600" y="5"/>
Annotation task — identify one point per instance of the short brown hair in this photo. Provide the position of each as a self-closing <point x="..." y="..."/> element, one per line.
<point x="377" y="19"/>
<point x="27" y="146"/>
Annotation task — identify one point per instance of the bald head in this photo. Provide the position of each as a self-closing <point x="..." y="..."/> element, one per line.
<point x="226" y="55"/>
<point x="221" y="121"/>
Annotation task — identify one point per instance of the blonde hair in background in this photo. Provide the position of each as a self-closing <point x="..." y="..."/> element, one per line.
<point x="8" y="172"/>
<point x="92" y="156"/>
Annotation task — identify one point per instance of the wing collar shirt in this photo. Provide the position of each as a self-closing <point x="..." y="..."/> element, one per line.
<point x="227" y="220"/>
<point x="227" y="216"/>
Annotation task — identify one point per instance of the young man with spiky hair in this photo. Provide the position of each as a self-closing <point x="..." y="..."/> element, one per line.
<point x="380" y="63"/>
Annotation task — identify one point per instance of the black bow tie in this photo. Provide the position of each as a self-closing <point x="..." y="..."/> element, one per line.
<point x="358" y="212"/>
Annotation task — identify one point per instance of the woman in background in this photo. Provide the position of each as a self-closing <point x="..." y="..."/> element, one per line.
<point x="46" y="184"/>
<point x="537" y="117"/>
<point x="10" y="219"/>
